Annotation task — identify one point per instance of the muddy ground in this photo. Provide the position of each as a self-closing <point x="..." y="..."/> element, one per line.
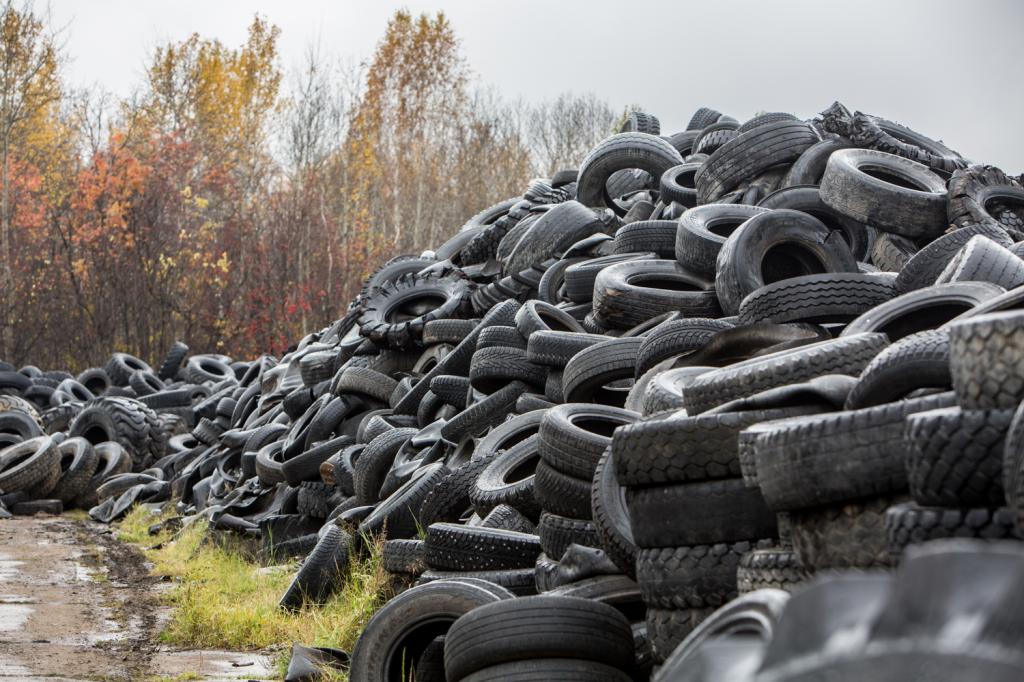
<point x="76" y="604"/>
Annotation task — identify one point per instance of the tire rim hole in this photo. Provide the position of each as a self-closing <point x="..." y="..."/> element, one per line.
<point x="523" y="470"/>
<point x="892" y="177"/>
<point x="723" y="227"/>
<point x="788" y="260"/>
<point x="667" y="282"/>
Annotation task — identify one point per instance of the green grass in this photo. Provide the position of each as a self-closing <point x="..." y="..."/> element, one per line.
<point x="222" y="599"/>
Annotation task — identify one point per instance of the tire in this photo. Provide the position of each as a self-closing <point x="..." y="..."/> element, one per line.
<point x="480" y="416"/>
<point x="493" y="368"/>
<point x="892" y="138"/>
<point x="172" y="361"/>
<point x="31" y="465"/>
<point x="924" y="309"/>
<point x="750" y="154"/>
<point x="397" y="516"/>
<point x="611" y="515"/>
<point x="580" y="277"/>
<point x="556" y="348"/>
<point x="891" y="252"/>
<point x="453" y="390"/>
<point x="808" y="169"/>
<point x="694" y="577"/>
<point x="537" y="316"/>
<point x="121" y="365"/>
<point x="678" y="185"/>
<point x="983" y="260"/>
<point x="987" y="360"/>
<point x="404" y="557"/>
<point x="95" y="379"/>
<point x="925" y="266"/>
<point x="913" y="206"/>
<point x="111" y="460"/>
<point x="561" y="493"/>
<point x="837" y="356"/>
<point x="717" y="511"/>
<point x="504" y="517"/>
<point x="628" y="294"/>
<point x="315" y="499"/>
<point x="78" y="464"/>
<point x="449" y="499"/>
<point x="588" y="373"/>
<point x="702" y="118"/>
<point x="983" y="195"/>
<point x="955" y="456"/>
<point x="588" y="630"/>
<point x="207" y="369"/>
<point x="320" y="573"/>
<point x="550" y="236"/>
<point x="676" y="337"/>
<point x="396" y="636"/>
<point x="544" y="669"/>
<point x="500" y="336"/>
<point x="829" y="458"/>
<point x="769" y="568"/>
<point x="519" y="581"/>
<point x="507" y="435"/>
<point x="909" y="524"/>
<point x="773" y="246"/>
<point x="373" y="464"/>
<point x="914" y="362"/>
<point x="713" y="137"/>
<point x="667" y="628"/>
<point x="558" y="532"/>
<point x="394" y="314"/>
<point x="454" y="547"/>
<point x="837" y="297"/>
<point x="640" y="122"/>
<point x="508" y="479"/>
<point x="365" y="381"/>
<point x="703" y="231"/>
<point x="658" y="236"/>
<point x="619" y="152"/>
<point x="573" y="437"/>
<point x="847" y="535"/>
<point x="128" y="422"/>
<point x="807" y="199"/>
<point x="448" y="331"/>
<point x="32" y="507"/>
<point x="269" y="461"/>
<point x="672" y="448"/>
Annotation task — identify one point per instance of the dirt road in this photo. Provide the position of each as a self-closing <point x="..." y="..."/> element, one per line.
<point x="76" y="604"/>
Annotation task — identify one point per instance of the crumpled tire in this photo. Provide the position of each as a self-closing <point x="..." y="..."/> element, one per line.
<point x="618" y="152"/>
<point x="395" y="313"/>
<point x="982" y="195"/>
<point x="128" y="422"/>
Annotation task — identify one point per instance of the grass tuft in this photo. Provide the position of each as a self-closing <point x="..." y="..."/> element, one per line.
<point x="223" y="598"/>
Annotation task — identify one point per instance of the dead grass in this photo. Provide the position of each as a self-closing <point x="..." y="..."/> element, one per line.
<point x="222" y="598"/>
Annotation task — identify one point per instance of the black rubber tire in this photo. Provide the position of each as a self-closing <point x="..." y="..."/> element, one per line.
<point x="829" y="458"/>
<point x="983" y="195"/>
<point x="365" y="381"/>
<point x="373" y="464"/>
<point x="31" y="465"/>
<point x="702" y="232"/>
<point x="537" y="316"/>
<point x="448" y="500"/>
<point x="676" y="337"/>
<point x="631" y="293"/>
<point x="454" y="547"/>
<point x="808" y="169"/>
<point x="750" y="154"/>
<point x="172" y="361"/>
<point x="769" y="568"/>
<point x="922" y="269"/>
<point x="693" y="577"/>
<point x="833" y="297"/>
<point x="397" y="516"/>
<point x="891" y="252"/>
<point x="927" y="308"/>
<point x="448" y="331"/>
<point x="95" y="379"/>
<point x="586" y="630"/>
<point x="641" y="122"/>
<point x="561" y="493"/>
<point x="848" y="355"/>
<point x="983" y="260"/>
<point x="315" y="499"/>
<point x="39" y="506"/>
<point x="508" y="479"/>
<point x="121" y="365"/>
<point x="658" y="236"/>
<point x="78" y="464"/>
<point x="910" y="524"/>
<point x="545" y="669"/>
<point x="573" y="437"/>
<point x="207" y="369"/>
<point x="590" y="370"/>
<point x="395" y="313"/>
<point x="914" y="362"/>
<point x="702" y="118"/>
<point x="493" y="368"/>
<point x="452" y="389"/>
<point x="397" y="635"/>
<point x="667" y="628"/>
<point x="987" y="360"/>
<point x="715" y="511"/>
<point x="504" y="517"/>
<point x="677" y="185"/>
<point x="618" y="152"/>
<point x="914" y="206"/>
<point x="556" y="348"/>
<point x="128" y="422"/>
<point x="404" y="556"/>
<point x="519" y="581"/>
<point x="955" y="456"/>
<point x="877" y="133"/>
<point x="807" y="199"/>
<point x="777" y="245"/>
<point x="580" y="277"/>
<point x="320" y="573"/>
<point x="558" y="532"/>
<point x="549" y="237"/>
<point x="847" y="535"/>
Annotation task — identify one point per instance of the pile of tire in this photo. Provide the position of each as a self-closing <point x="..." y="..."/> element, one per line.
<point x="605" y="429"/>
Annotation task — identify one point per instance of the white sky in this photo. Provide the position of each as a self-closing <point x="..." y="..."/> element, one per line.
<point x="947" y="68"/>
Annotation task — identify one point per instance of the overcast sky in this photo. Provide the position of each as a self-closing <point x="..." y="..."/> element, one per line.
<point x="950" y="69"/>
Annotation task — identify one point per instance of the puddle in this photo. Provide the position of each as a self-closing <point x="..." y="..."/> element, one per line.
<point x="215" y="664"/>
<point x="13" y="616"/>
<point x="8" y="568"/>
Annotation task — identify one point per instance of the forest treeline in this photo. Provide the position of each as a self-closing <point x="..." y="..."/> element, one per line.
<point x="232" y="203"/>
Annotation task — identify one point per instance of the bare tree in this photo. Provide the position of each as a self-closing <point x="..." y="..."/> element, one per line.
<point x="563" y="130"/>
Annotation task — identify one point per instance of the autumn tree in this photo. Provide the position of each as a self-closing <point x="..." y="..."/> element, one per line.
<point x="30" y="91"/>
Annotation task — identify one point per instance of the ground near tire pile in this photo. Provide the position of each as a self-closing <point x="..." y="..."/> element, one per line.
<point x="612" y="424"/>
